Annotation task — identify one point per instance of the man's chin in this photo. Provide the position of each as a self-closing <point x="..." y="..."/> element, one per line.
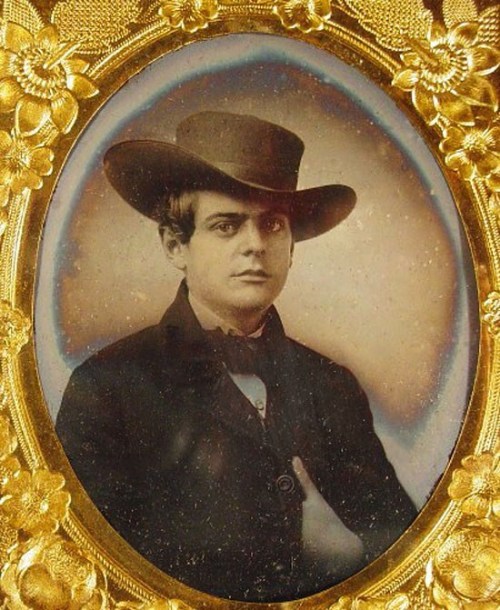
<point x="254" y="296"/>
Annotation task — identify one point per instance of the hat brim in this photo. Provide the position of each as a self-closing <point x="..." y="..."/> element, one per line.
<point x="144" y="172"/>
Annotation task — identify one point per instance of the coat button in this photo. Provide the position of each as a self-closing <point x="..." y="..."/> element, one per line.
<point x="285" y="483"/>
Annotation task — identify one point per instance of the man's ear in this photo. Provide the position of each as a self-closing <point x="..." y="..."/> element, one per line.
<point x="174" y="250"/>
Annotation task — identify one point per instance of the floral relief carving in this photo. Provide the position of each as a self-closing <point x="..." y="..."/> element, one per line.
<point x="42" y="80"/>
<point x="24" y="162"/>
<point x="189" y="15"/>
<point x="445" y="73"/>
<point x="51" y="573"/>
<point x="35" y="502"/>
<point x="14" y="329"/>
<point x="476" y="486"/>
<point x="41" y="84"/>
<point x="447" y="76"/>
<point x="473" y="152"/>
<point x="465" y="572"/>
<point x="305" y="15"/>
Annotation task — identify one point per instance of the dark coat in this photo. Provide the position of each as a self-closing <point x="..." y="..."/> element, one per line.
<point x="178" y="461"/>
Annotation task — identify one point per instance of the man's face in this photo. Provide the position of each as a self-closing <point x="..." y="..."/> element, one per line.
<point x="237" y="260"/>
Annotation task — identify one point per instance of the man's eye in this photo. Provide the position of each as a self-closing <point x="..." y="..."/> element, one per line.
<point x="273" y="225"/>
<point x="226" y="228"/>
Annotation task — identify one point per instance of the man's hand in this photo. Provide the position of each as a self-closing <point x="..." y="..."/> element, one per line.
<point x="327" y="543"/>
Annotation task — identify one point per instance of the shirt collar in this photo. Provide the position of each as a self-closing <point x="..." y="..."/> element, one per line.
<point x="211" y="321"/>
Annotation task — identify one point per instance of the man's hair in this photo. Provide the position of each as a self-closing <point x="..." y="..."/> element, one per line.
<point x="177" y="215"/>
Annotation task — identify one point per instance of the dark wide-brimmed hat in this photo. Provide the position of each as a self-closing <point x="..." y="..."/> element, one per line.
<point x="237" y="154"/>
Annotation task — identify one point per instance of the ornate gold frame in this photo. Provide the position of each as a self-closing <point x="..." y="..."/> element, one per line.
<point x="59" y="62"/>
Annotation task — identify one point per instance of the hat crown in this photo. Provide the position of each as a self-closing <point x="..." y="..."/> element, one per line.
<point x="246" y="147"/>
<point x="240" y="155"/>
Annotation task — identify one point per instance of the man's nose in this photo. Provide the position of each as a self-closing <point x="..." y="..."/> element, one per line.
<point x="253" y="239"/>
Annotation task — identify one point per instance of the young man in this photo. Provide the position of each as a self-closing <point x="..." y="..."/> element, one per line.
<point x="212" y="442"/>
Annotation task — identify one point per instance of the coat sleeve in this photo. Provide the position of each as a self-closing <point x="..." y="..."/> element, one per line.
<point x="90" y="428"/>
<point x="360" y="483"/>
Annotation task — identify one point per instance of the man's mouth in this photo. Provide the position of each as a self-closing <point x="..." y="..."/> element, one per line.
<point x="253" y="274"/>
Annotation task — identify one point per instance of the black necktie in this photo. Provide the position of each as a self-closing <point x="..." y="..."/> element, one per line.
<point x="245" y="355"/>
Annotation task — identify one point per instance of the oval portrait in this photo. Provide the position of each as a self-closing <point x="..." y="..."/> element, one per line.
<point x="256" y="317"/>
